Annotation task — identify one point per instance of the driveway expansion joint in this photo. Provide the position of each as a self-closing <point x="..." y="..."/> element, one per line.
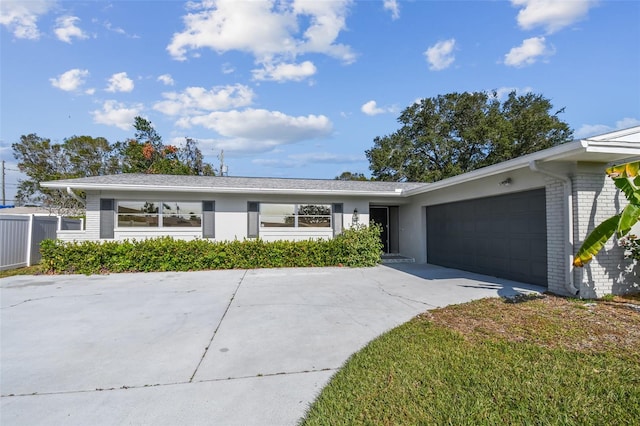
<point x="206" y="349"/>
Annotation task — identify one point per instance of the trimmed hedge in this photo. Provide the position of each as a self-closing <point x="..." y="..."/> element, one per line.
<point x="355" y="247"/>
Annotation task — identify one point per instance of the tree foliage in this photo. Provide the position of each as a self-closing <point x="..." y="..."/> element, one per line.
<point x="82" y="156"/>
<point x="351" y="176"/>
<point x="458" y="132"/>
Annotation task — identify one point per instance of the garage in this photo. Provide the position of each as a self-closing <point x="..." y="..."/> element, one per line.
<point x="503" y="236"/>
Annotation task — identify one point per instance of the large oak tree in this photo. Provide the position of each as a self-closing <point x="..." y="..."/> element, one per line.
<point x="458" y="132"/>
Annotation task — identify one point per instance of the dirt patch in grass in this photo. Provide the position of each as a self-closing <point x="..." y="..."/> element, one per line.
<point x="549" y="321"/>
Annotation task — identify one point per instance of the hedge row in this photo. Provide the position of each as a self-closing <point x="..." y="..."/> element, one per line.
<point x="355" y="247"/>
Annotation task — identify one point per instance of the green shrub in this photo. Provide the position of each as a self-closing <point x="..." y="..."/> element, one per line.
<point x="355" y="247"/>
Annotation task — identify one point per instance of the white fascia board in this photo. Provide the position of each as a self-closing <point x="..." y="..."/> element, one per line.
<point x="555" y="153"/>
<point x="397" y="193"/>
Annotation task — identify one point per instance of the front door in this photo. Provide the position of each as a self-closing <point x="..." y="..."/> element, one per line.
<point x="380" y="215"/>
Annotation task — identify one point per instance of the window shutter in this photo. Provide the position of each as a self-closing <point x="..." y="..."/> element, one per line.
<point x="208" y="219"/>
<point x="107" y="217"/>
<point x="253" y="219"/>
<point x="337" y="219"/>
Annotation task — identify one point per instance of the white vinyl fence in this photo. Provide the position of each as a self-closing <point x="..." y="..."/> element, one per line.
<point x="20" y="237"/>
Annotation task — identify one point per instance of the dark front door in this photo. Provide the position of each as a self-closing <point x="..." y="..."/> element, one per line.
<point x="380" y="215"/>
<point x="503" y="236"/>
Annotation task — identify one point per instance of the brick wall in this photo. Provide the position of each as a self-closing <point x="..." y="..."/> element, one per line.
<point x="557" y="258"/>
<point x="595" y="199"/>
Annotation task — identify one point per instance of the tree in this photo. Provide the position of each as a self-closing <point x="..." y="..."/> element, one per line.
<point x="146" y="153"/>
<point x="42" y="160"/>
<point x="351" y="176"/>
<point x="458" y="132"/>
<point x="627" y="178"/>
<point x="83" y="156"/>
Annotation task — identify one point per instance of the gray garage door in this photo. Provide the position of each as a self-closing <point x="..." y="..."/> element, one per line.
<point x="503" y="236"/>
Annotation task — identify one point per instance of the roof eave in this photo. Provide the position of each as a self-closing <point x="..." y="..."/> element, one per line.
<point x="398" y="193"/>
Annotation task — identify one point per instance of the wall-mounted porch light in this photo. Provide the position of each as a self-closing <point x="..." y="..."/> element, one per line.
<point x="355" y="218"/>
<point x="508" y="181"/>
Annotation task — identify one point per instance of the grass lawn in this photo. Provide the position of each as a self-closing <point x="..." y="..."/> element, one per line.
<point x="31" y="270"/>
<point x="533" y="360"/>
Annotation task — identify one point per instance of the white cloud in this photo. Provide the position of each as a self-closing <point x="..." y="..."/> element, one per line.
<point x="393" y="7"/>
<point x="266" y="29"/>
<point x="303" y="160"/>
<point x="283" y="72"/>
<point x="440" y="55"/>
<point x="528" y="52"/>
<point x="503" y="92"/>
<point x="372" y="108"/>
<point x="90" y="91"/>
<point x="21" y="17"/>
<point x="166" y="79"/>
<point x="227" y="68"/>
<point x="66" y="29"/>
<point x="120" y="83"/>
<point x="108" y="25"/>
<point x="588" y="130"/>
<point x="117" y="114"/>
<point x="553" y="15"/>
<point x="198" y="100"/>
<point x="259" y="130"/>
<point x="71" y="80"/>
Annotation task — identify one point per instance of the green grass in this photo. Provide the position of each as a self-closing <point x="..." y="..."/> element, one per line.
<point x="447" y="369"/>
<point x="31" y="270"/>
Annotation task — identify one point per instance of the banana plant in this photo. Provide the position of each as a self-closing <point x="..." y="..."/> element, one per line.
<point x="627" y="178"/>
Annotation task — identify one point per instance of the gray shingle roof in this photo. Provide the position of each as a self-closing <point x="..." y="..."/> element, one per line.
<point x="231" y="184"/>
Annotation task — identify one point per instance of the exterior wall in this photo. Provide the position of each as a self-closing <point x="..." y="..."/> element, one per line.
<point x="557" y="259"/>
<point x="230" y="216"/>
<point x="595" y="198"/>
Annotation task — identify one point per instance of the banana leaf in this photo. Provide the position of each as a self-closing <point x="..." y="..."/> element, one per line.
<point x="596" y="240"/>
<point x="629" y="217"/>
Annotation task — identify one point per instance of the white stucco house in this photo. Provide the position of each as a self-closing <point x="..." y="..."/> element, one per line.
<point x="522" y="219"/>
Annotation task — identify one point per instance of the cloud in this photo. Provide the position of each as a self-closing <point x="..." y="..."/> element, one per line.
<point x="259" y="130"/>
<point x="303" y="160"/>
<point x="109" y="26"/>
<point x="66" y="29"/>
<point x="71" y="80"/>
<point x="440" y="55"/>
<point x="503" y="92"/>
<point x="528" y="52"/>
<point x="372" y="108"/>
<point x="269" y="32"/>
<point x="393" y="7"/>
<point x="198" y="100"/>
<point x="120" y="83"/>
<point x="227" y="68"/>
<point x="283" y="72"/>
<point x="166" y="79"/>
<point x="117" y="114"/>
<point x="588" y="130"/>
<point x="21" y="17"/>
<point x="553" y="15"/>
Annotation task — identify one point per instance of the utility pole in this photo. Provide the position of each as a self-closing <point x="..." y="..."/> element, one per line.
<point x="224" y="170"/>
<point x="4" y="201"/>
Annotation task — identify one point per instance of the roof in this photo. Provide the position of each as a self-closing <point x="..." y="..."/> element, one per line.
<point x="232" y="184"/>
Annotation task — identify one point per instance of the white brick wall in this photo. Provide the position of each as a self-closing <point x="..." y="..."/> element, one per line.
<point x="556" y="237"/>
<point x="595" y="199"/>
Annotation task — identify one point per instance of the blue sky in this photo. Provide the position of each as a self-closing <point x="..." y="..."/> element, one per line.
<point x="301" y="88"/>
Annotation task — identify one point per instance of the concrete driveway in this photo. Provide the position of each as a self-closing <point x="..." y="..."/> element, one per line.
<point x="218" y="347"/>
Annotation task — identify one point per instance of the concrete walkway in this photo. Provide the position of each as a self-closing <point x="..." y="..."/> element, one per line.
<point x="218" y="347"/>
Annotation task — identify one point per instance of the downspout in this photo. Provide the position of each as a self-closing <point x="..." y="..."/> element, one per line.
<point x="568" y="220"/>
<point x="75" y="196"/>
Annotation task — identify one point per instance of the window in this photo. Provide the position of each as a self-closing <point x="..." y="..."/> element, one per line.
<point x="295" y="215"/>
<point x="155" y="214"/>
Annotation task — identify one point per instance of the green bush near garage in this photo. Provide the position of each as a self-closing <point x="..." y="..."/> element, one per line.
<point x="355" y="247"/>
